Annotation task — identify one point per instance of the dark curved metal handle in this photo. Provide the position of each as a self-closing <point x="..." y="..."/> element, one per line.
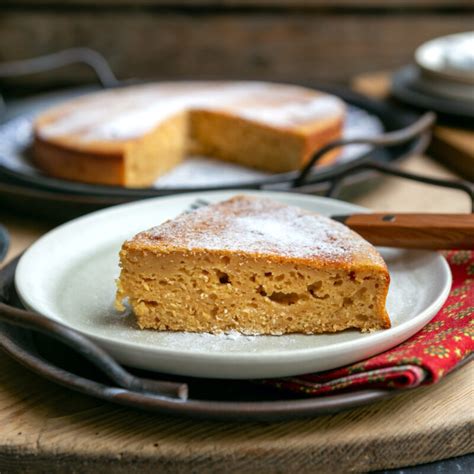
<point x="4" y="242"/>
<point x="336" y="176"/>
<point x="84" y="346"/>
<point x="87" y="56"/>
<point x="388" y="169"/>
<point x="422" y="125"/>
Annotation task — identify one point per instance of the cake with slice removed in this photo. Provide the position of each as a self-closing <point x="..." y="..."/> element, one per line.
<point x="131" y="135"/>
<point x="255" y="266"/>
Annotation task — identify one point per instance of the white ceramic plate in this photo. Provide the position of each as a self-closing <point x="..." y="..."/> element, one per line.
<point x="68" y="275"/>
<point x="450" y="57"/>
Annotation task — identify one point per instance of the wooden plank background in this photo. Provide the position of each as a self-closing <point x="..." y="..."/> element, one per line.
<point x="286" y="4"/>
<point x="312" y="40"/>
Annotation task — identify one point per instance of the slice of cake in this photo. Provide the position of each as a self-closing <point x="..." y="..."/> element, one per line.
<point x="130" y="136"/>
<point x="255" y="266"/>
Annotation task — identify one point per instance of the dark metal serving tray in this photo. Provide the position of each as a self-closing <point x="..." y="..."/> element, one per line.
<point x="211" y="399"/>
<point x="391" y="117"/>
<point x="42" y="195"/>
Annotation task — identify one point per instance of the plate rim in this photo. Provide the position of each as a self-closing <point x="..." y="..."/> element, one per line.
<point x="402" y="89"/>
<point x="264" y="356"/>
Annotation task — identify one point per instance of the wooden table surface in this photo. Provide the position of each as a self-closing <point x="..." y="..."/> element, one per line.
<point x="47" y="428"/>
<point x="44" y="427"/>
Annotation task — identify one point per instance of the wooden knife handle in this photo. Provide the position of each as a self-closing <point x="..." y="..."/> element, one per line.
<point x="421" y="231"/>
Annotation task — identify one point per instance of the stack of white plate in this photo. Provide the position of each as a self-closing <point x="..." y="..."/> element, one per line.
<point x="442" y="77"/>
<point x="446" y="66"/>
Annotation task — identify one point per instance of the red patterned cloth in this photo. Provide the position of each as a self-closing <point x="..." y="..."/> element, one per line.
<point x="423" y="359"/>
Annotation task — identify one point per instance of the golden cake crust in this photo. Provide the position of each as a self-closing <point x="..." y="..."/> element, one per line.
<point x="81" y="139"/>
<point x="253" y="265"/>
<point x="263" y="228"/>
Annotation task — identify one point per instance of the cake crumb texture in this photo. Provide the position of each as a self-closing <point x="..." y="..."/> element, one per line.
<point x="254" y="266"/>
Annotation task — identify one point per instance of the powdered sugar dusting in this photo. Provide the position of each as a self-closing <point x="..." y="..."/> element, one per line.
<point x="293" y="113"/>
<point x="130" y="112"/>
<point x="197" y="171"/>
<point x="194" y="171"/>
<point x="261" y="226"/>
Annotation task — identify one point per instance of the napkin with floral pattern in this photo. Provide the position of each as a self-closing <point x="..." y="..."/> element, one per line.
<point x="423" y="359"/>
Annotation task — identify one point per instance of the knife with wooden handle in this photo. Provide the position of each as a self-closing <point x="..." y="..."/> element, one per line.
<point x="414" y="231"/>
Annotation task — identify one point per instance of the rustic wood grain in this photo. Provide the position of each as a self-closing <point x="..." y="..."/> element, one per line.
<point x="287" y="4"/>
<point x="45" y="428"/>
<point x="374" y="84"/>
<point x="455" y="148"/>
<point x="416" y="231"/>
<point x="297" y="46"/>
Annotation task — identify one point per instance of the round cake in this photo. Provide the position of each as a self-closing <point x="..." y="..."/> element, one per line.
<point x="131" y="135"/>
